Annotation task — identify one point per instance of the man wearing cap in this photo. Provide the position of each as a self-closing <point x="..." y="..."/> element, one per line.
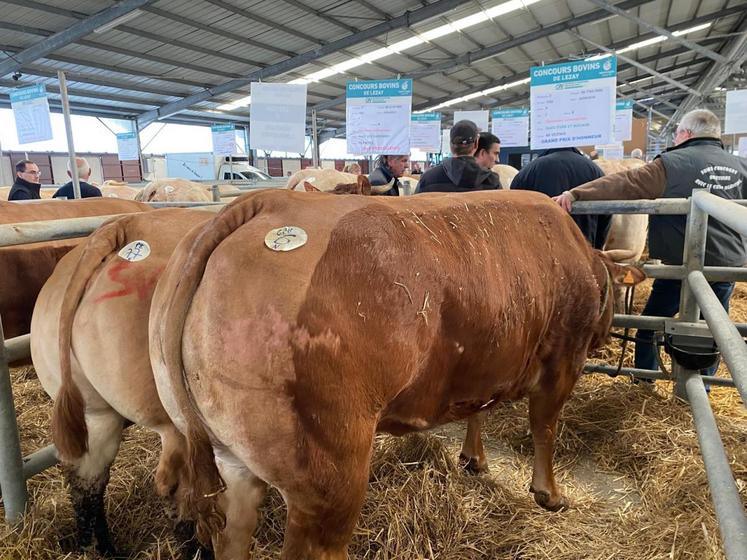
<point x="558" y="170"/>
<point x="459" y="173"/>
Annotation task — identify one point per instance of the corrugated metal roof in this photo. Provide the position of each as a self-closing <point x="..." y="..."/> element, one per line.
<point x="173" y="48"/>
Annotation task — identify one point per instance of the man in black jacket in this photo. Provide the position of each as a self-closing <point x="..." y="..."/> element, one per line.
<point x="698" y="160"/>
<point x="27" y="183"/>
<point x="561" y="169"/>
<point x="460" y="173"/>
<point x="84" y="173"/>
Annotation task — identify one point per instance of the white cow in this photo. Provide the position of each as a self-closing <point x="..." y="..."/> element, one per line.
<point x="326" y="180"/>
<point x="174" y="190"/>
<point x="506" y="173"/>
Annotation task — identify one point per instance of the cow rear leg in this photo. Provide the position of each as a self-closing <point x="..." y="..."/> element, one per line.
<point x="472" y="458"/>
<point x="240" y="502"/>
<point x="88" y="476"/>
<point x="544" y="408"/>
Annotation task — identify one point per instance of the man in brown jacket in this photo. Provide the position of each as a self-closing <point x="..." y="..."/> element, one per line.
<point x="698" y="160"/>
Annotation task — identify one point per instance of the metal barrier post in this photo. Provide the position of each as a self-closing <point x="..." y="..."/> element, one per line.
<point x="12" y="481"/>
<point x="693" y="259"/>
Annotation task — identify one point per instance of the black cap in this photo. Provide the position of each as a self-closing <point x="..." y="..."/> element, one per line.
<point x="463" y="132"/>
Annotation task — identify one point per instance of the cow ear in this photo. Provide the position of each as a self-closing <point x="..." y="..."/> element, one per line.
<point x="625" y="275"/>
<point x="363" y="185"/>
<point x="308" y="187"/>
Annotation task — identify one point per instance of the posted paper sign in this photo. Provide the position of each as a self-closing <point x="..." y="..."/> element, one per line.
<point x="224" y="139"/>
<point x="480" y="118"/>
<point x="127" y="146"/>
<point x="610" y="151"/>
<point x="511" y="126"/>
<point x="736" y="111"/>
<point x="743" y="147"/>
<point x="573" y="103"/>
<point x="624" y="120"/>
<point x="425" y="132"/>
<point x="31" y="112"/>
<point x="378" y="117"/>
<point x="446" y="143"/>
<point x="278" y="117"/>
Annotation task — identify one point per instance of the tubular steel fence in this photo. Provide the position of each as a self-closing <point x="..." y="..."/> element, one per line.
<point x="697" y="297"/>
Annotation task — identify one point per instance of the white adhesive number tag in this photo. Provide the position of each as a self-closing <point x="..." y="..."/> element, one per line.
<point x="286" y="238"/>
<point x="169" y="189"/>
<point x="135" y="251"/>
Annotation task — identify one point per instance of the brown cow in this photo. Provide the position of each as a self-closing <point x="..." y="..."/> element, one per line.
<point x="394" y="315"/>
<point x="29" y="266"/>
<point x="89" y="341"/>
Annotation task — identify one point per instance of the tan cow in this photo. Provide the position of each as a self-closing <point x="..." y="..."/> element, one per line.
<point x="356" y="315"/>
<point x="25" y="268"/>
<point x="506" y="173"/>
<point x="45" y="193"/>
<point x="89" y="340"/>
<point x="326" y="180"/>
<point x="174" y="190"/>
<point x="118" y="189"/>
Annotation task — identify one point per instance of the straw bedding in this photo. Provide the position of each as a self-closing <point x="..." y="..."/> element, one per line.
<point x="627" y="457"/>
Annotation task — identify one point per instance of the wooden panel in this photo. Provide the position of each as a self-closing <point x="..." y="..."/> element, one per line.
<point x="364" y="166"/>
<point x="275" y="167"/>
<point x="131" y="171"/>
<point x="42" y="160"/>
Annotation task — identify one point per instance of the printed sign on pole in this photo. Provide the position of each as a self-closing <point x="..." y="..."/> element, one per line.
<point x="511" y="126"/>
<point x="446" y="142"/>
<point x="224" y="139"/>
<point x="31" y="112"/>
<point x="736" y="112"/>
<point x="610" y="151"/>
<point x="278" y="117"/>
<point x="127" y="146"/>
<point x="425" y="132"/>
<point x="572" y="103"/>
<point x="480" y="118"/>
<point x="378" y="117"/>
<point x="624" y="120"/>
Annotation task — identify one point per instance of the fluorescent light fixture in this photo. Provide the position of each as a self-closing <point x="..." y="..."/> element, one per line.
<point x="638" y="81"/>
<point x="117" y="21"/>
<point x="481" y="93"/>
<point x="661" y="38"/>
<point x="401" y="46"/>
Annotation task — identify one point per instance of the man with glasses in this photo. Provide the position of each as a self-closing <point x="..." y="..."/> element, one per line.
<point x="697" y="160"/>
<point x="28" y="181"/>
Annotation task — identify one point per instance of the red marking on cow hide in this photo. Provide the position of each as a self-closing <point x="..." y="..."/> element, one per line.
<point x="140" y="280"/>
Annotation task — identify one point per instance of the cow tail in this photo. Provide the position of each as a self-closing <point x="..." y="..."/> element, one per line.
<point x="69" y="431"/>
<point x="171" y="302"/>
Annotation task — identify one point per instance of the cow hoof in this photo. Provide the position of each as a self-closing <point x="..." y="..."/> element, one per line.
<point x="543" y="500"/>
<point x="472" y="464"/>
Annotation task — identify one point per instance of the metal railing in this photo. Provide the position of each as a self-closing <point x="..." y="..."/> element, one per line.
<point x="696" y="295"/>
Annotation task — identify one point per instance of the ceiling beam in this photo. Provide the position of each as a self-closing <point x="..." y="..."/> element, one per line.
<point x="735" y="54"/>
<point x="693" y="46"/>
<point x="405" y="20"/>
<point x="69" y="35"/>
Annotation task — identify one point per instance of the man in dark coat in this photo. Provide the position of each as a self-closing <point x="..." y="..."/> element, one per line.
<point x="558" y="170"/>
<point x="84" y="173"/>
<point x="460" y="173"/>
<point x="27" y="183"/>
<point x="388" y="170"/>
<point x="698" y="160"/>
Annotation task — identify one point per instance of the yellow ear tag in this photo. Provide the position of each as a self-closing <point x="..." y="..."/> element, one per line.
<point x="628" y="279"/>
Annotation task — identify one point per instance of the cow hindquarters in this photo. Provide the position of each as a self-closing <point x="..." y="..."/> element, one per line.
<point x="88" y="475"/>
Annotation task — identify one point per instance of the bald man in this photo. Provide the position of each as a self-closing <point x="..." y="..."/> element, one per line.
<point x="84" y="173"/>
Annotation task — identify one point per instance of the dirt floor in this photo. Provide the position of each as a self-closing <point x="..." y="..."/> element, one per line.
<point x="627" y="458"/>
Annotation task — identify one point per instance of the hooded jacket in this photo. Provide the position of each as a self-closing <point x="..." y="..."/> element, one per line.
<point x="24" y="190"/>
<point x="458" y="174"/>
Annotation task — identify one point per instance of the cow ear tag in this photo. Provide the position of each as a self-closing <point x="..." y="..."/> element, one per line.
<point x="628" y="279"/>
<point x="286" y="238"/>
<point x="135" y="251"/>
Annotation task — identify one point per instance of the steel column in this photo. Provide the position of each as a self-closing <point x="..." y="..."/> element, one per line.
<point x="69" y="132"/>
<point x="314" y="140"/>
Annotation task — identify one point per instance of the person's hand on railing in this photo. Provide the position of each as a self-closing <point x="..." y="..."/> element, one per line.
<point x="565" y="200"/>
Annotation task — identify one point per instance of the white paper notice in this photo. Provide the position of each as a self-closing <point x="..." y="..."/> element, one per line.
<point x="624" y="120"/>
<point x="511" y="126"/>
<point x="736" y="112"/>
<point x="446" y="143"/>
<point x="573" y="103"/>
<point x="278" y="117"/>
<point x="480" y="118"/>
<point x="743" y="147"/>
<point x="610" y="151"/>
<point x="31" y="113"/>
<point x="378" y="117"/>
<point x="425" y="132"/>
<point x="224" y="139"/>
<point x="127" y="146"/>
